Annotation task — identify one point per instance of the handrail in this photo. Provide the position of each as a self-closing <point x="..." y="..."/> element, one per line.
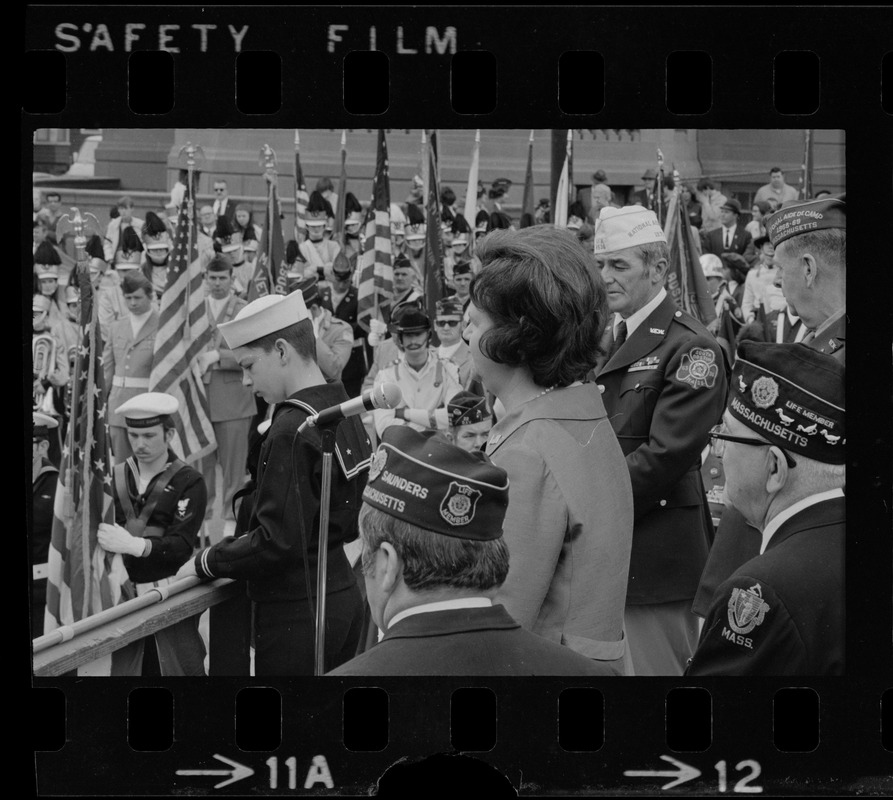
<point x="65" y="649"/>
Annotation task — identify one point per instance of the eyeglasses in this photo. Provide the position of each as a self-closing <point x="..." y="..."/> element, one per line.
<point x="219" y="189"/>
<point x="718" y="439"/>
<point x="452" y="323"/>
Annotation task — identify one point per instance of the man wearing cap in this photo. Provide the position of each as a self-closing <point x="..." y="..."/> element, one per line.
<point x="406" y="284"/>
<point x="115" y="227"/>
<point x="426" y="380"/>
<point x="44" y="475"/>
<point x="128" y="354"/>
<point x="448" y="326"/>
<point x="334" y="337"/>
<point x="462" y="276"/>
<point x="415" y="239"/>
<point x="344" y="299"/>
<point x="353" y="219"/>
<point x="159" y="507"/>
<point x="783" y="446"/>
<point x="231" y="405"/>
<point x="318" y="251"/>
<point x="645" y="196"/>
<point x="776" y="189"/>
<point x="470" y="421"/>
<point x="433" y="557"/>
<point x="730" y="236"/>
<point x="272" y="340"/>
<point x="157" y="244"/>
<point x="664" y="384"/>
<point x="810" y="253"/>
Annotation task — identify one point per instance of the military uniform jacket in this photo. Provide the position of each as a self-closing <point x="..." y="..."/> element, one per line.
<point x="361" y="353"/>
<point x="129" y="360"/>
<point x="782" y="613"/>
<point x="178" y="516"/>
<point x="832" y="340"/>
<point x="285" y="520"/>
<point x="569" y="522"/>
<point x="43" y="498"/>
<point x="663" y="390"/>
<point x="227" y="398"/>
<point x="467" y="641"/>
<point x="429" y="389"/>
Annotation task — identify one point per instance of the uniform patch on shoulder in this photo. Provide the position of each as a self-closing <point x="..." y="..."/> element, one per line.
<point x="459" y="503"/>
<point x="747" y="609"/>
<point x="181" y="508"/>
<point x="698" y="368"/>
<point x="378" y="463"/>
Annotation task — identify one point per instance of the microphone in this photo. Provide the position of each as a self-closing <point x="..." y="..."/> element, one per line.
<point x="388" y="395"/>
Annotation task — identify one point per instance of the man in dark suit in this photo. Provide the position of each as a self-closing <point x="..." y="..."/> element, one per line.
<point x="223" y="205"/>
<point x="433" y="557"/>
<point x="730" y="237"/>
<point x="783" y="448"/>
<point x="644" y="196"/>
<point x="664" y="387"/>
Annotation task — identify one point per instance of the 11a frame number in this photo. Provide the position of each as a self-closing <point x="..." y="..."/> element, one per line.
<point x="743" y="784"/>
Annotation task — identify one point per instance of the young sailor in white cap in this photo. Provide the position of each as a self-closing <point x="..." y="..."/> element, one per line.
<point x="272" y="340"/>
<point x="159" y="509"/>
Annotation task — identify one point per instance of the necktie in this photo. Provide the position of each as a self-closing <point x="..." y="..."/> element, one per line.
<point x="728" y="238"/>
<point x="619" y="339"/>
<point x="217" y="208"/>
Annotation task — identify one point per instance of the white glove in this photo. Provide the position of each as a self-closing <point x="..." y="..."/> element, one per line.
<point x="187" y="570"/>
<point x="206" y="359"/>
<point x="374" y="339"/>
<point x="116" y="539"/>
<point x="377" y="326"/>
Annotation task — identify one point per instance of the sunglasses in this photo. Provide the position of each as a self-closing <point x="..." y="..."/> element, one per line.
<point x="451" y="323"/>
<point x="718" y="439"/>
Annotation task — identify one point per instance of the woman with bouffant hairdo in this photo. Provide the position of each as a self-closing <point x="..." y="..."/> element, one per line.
<point x="537" y="312"/>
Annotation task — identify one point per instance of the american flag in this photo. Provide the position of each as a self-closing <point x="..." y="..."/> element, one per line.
<point x="301" y="196"/>
<point x="376" y="287"/>
<point x="82" y="579"/>
<point x="434" y="278"/>
<point x="184" y="331"/>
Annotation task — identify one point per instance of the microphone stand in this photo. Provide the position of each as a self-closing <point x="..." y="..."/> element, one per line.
<point x="327" y="433"/>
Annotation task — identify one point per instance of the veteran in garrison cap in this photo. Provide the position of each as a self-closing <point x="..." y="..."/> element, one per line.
<point x="433" y="557"/>
<point x="470" y="421"/>
<point x="810" y="254"/>
<point x="783" y="446"/>
<point x="663" y="382"/>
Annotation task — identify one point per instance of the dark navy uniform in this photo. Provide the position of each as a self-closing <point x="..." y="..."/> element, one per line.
<point x="663" y="391"/>
<point x="832" y="340"/>
<point x="782" y="613"/>
<point x="170" y="514"/>
<point x="278" y="554"/>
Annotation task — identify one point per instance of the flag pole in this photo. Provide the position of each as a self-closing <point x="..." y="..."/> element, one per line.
<point x="191" y="151"/>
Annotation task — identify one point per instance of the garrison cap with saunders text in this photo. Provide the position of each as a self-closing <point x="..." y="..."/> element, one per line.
<point x="42" y="424"/>
<point x="148" y="409"/>
<point x="793" y="396"/>
<point x="261" y="317"/>
<point x="467" y="408"/>
<point x="806" y="217"/>
<point x="630" y="226"/>
<point x="436" y="486"/>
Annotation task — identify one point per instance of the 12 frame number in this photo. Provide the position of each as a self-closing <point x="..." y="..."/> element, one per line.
<point x="743" y="784"/>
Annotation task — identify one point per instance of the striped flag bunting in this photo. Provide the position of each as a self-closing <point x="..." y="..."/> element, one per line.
<point x="376" y="286"/>
<point x="82" y="579"/>
<point x="471" y="192"/>
<point x="272" y="244"/>
<point x="184" y="331"/>
<point x="301" y="195"/>
<point x="563" y="190"/>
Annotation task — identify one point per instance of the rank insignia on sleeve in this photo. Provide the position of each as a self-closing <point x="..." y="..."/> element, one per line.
<point x="181" y="507"/>
<point x="764" y="391"/>
<point x="698" y="368"/>
<point x="747" y="609"/>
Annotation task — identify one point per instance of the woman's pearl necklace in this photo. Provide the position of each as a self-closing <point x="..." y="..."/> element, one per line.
<point x="545" y="391"/>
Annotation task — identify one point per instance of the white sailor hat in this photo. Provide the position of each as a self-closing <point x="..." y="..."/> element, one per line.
<point x="129" y="260"/>
<point x="148" y="409"/>
<point x="40" y="303"/>
<point x="630" y="226"/>
<point x="43" y="424"/>
<point x="249" y="245"/>
<point x="46" y="271"/>
<point x="264" y="316"/>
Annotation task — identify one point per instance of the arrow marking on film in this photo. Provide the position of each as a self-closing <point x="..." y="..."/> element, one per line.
<point x="681" y="774"/>
<point x="237" y="773"/>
